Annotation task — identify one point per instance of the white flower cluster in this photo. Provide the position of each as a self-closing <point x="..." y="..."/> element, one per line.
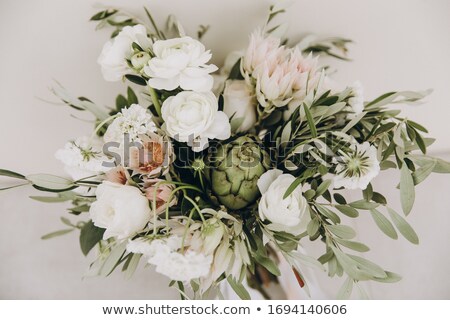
<point x="133" y="121"/>
<point x="164" y="254"/>
<point x="192" y="115"/>
<point x="82" y="157"/>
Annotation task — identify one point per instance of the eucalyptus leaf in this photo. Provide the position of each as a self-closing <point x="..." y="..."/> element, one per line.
<point x="423" y="172"/>
<point x="384" y="224"/>
<point x="50" y="182"/>
<point x="56" y="234"/>
<point x="239" y="289"/>
<point x="405" y="229"/>
<point x="342" y="231"/>
<point x="11" y="174"/>
<point x="354" y="245"/>
<point x="391" y="277"/>
<point x="328" y="213"/>
<point x="363" y="205"/>
<point x="132" y="265"/>
<point x="113" y="259"/>
<point x="407" y="192"/>
<point x="347" y="210"/>
<point x="345" y="291"/>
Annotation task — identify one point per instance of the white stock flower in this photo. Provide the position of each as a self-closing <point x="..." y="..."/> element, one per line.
<point x="355" y="169"/>
<point x="165" y="256"/>
<point x="356" y="102"/>
<point x="120" y="209"/>
<point x="180" y="62"/>
<point x="82" y="157"/>
<point x="193" y="117"/>
<point x="113" y="58"/>
<point x="289" y="215"/>
<point x="239" y="102"/>
<point x="134" y="121"/>
<point x="182" y="266"/>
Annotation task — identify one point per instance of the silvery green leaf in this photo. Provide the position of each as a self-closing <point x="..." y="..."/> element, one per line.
<point x="405" y="229"/>
<point x="302" y="148"/>
<point x="345" y="291"/>
<point x="286" y="133"/>
<point x="11" y="174"/>
<point x="335" y="108"/>
<point x="289" y="165"/>
<point x="56" y="234"/>
<point x="370" y="267"/>
<point x="407" y="192"/>
<point x="354" y="245"/>
<point x="342" y="231"/>
<point x="391" y="277"/>
<point x="384" y="224"/>
<point x="349" y="265"/>
<point x="410" y="97"/>
<point x="132" y="265"/>
<point x="347" y="210"/>
<point x="313" y="227"/>
<point x="307" y="260"/>
<point x="328" y="213"/>
<point x="323" y="187"/>
<point x="363" y="205"/>
<point x="353" y="122"/>
<point x="387" y="164"/>
<point x="61" y="197"/>
<point x="423" y="172"/>
<point x="398" y="140"/>
<point x="239" y="289"/>
<point x="361" y="292"/>
<point x="67" y="222"/>
<point x="113" y="259"/>
<point x="50" y="182"/>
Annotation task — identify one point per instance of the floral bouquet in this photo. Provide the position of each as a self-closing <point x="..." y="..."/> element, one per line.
<point x="217" y="177"/>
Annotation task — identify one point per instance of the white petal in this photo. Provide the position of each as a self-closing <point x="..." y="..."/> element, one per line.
<point x="267" y="178"/>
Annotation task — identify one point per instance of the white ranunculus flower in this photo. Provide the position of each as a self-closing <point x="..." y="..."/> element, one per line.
<point x="120" y="209"/>
<point x="240" y="102"/>
<point x="355" y="169"/>
<point x="180" y="62"/>
<point x="82" y="157"/>
<point x="289" y="215"/>
<point x="113" y="58"/>
<point x="356" y="102"/>
<point x="134" y="121"/>
<point x="193" y="117"/>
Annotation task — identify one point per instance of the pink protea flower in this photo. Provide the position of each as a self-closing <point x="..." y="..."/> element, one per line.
<point x="159" y="192"/>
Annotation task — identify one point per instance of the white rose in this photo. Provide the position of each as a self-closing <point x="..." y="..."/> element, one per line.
<point x="180" y="62"/>
<point x="238" y="100"/>
<point x="194" y="118"/>
<point x="120" y="209"/>
<point x="113" y="58"/>
<point x="289" y="215"/>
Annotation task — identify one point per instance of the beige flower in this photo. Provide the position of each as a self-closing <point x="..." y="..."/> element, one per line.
<point x="159" y="192"/>
<point x="117" y="175"/>
<point x="154" y="157"/>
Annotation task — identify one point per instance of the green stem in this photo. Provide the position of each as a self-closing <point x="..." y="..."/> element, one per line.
<point x="155" y="101"/>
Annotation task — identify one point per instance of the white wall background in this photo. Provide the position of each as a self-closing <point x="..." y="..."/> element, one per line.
<point x="401" y="44"/>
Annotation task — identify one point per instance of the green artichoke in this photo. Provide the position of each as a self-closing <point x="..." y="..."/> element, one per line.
<point x="234" y="169"/>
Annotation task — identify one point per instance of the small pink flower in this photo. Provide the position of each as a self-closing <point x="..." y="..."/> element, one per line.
<point x="159" y="192"/>
<point x="117" y="175"/>
<point x="154" y="157"/>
